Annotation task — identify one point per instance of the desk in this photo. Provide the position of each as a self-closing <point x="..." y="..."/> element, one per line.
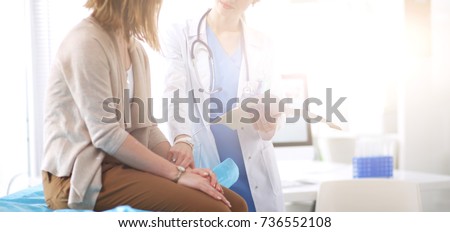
<point x="301" y="180"/>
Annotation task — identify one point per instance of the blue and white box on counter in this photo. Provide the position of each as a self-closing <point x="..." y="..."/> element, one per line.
<point x="373" y="166"/>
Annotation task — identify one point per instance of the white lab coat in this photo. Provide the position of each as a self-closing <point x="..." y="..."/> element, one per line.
<point x="260" y="162"/>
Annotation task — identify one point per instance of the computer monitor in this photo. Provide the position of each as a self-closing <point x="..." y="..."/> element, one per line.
<point x="294" y="139"/>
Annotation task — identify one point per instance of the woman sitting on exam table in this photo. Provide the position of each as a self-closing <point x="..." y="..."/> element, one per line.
<point x="95" y="156"/>
<point x="218" y="56"/>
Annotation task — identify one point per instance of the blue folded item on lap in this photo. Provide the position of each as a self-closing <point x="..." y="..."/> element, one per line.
<point x="227" y="173"/>
<point x="32" y="199"/>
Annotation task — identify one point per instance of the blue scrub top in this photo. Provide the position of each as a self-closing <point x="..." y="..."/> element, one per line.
<point x="227" y="72"/>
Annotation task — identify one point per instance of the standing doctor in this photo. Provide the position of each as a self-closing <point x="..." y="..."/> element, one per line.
<point x="217" y="56"/>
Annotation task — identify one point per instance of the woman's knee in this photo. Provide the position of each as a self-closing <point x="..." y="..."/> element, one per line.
<point x="217" y="206"/>
<point x="238" y="203"/>
<point x="201" y="202"/>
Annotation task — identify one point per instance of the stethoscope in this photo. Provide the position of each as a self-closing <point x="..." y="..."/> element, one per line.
<point x="247" y="90"/>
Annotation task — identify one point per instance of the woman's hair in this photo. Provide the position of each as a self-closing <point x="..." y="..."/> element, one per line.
<point x="138" y="18"/>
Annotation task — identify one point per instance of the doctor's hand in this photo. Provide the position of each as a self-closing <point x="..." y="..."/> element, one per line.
<point x="269" y="113"/>
<point x="195" y="181"/>
<point x="266" y="126"/>
<point x="181" y="154"/>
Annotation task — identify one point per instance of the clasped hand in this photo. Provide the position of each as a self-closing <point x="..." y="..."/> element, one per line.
<point x="202" y="179"/>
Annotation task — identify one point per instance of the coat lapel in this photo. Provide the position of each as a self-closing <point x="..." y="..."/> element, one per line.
<point x="251" y="60"/>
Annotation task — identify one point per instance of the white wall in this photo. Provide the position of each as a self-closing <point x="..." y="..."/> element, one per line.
<point x="424" y="120"/>
<point x="13" y="114"/>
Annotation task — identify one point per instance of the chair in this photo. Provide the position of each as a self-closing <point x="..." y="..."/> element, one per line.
<point x="368" y="195"/>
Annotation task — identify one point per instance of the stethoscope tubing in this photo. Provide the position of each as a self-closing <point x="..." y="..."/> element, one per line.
<point x="212" y="88"/>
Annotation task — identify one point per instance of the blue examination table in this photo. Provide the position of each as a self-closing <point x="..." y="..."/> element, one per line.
<point x="32" y="199"/>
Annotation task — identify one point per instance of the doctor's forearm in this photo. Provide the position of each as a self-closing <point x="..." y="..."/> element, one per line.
<point x="136" y="155"/>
